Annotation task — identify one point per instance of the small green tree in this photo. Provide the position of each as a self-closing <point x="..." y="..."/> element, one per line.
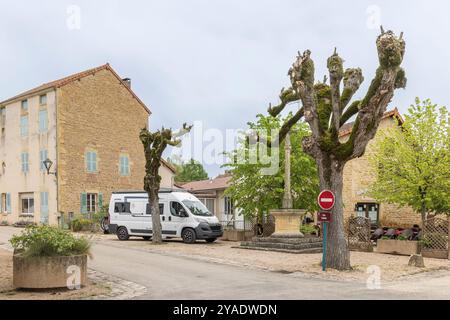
<point x="255" y="193"/>
<point x="413" y="164"/>
<point x="191" y="171"/>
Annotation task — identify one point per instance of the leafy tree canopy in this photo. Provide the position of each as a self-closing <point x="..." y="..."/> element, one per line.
<point x="257" y="193"/>
<point x="190" y="171"/>
<point x="413" y="164"/>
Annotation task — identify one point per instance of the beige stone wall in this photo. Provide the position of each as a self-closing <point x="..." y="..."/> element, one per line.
<point x="97" y="113"/>
<point x="358" y="175"/>
<point x="12" y="144"/>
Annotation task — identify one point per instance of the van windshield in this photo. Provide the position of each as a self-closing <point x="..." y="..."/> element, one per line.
<point x="197" y="208"/>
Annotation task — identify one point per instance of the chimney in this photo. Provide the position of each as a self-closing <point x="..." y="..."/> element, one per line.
<point x="127" y="82"/>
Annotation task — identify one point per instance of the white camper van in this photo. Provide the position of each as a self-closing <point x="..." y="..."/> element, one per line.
<point x="182" y="216"/>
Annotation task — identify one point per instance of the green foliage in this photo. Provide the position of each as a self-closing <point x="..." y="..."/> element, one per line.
<point x="46" y="241"/>
<point x="307" y="229"/>
<point x="191" y="171"/>
<point x="254" y="192"/>
<point x="402" y="237"/>
<point x="413" y="164"/>
<point x="81" y="224"/>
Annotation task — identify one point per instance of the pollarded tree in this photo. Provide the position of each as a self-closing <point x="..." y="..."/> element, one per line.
<point x="413" y="164"/>
<point x="326" y="108"/>
<point x="154" y="145"/>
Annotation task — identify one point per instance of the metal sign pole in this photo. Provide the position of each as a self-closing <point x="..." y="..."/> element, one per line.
<point x="324" y="256"/>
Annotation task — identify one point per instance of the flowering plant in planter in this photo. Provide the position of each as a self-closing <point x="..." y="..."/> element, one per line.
<point x="47" y="241"/>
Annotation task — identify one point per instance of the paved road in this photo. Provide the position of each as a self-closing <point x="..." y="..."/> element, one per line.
<point x="167" y="276"/>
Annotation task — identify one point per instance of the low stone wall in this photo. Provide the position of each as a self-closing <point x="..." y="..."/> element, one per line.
<point x="401" y="247"/>
<point x="49" y="272"/>
<point x="237" y="235"/>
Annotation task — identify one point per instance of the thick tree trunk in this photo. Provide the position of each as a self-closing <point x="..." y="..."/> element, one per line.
<point x="331" y="178"/>
<point x="153" y="199"/>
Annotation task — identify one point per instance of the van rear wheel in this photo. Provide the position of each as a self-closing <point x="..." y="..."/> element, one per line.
<point x="188" y="236"/>
<point x="122" y="234"/>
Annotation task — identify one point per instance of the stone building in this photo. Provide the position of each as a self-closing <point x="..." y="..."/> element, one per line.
<point x="358" y="175"/>
<point x="88" y="126"/>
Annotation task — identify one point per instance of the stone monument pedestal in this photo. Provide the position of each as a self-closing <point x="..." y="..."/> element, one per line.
<point x="288" y="223"/>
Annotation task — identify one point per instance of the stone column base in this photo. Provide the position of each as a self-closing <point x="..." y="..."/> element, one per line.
<point x="288" y="223"/>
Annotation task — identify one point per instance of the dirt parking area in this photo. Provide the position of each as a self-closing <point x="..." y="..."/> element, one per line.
<point x="7" y="291"/>
<point x="392" y="267"/>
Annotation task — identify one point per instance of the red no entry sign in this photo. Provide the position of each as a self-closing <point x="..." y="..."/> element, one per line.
<point x="326" y="200"/>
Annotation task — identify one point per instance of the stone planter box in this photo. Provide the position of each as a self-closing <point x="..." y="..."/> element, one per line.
<point x="237" y="235"/>
<point x="401" y="247"/>
<point x="47" y="272"/>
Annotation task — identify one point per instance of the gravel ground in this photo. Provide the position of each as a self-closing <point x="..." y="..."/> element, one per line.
<point x="392" y="267"/>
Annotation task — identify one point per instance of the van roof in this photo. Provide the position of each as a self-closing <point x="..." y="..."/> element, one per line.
<point x="162" y="190"/>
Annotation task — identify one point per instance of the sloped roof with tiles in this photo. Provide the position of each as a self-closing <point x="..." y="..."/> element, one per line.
<point x="219" y="183"/>
<point x="66" y="80"/>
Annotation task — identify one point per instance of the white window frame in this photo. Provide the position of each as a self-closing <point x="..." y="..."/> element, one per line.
<point x="29" y="198"/>
<point x="91" y="202"/>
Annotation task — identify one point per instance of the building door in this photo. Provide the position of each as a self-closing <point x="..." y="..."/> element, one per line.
<point x="368" y="210"/>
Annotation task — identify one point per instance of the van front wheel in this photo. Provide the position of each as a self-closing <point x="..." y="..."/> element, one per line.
<point x="122" y="234"/>
<point x="188" y="236"/>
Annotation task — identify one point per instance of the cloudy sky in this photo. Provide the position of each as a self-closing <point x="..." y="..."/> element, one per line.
<point x="220" y="62"/>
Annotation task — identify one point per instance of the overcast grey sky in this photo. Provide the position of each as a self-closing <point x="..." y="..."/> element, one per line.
<point x="220" y="62"/>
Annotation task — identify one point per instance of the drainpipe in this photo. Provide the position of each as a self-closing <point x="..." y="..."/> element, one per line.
<point x="57" y="153"/>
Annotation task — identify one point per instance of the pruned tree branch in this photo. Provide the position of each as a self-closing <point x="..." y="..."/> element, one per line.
<point x="389" y="76"/>
<point x="335" y="66"/>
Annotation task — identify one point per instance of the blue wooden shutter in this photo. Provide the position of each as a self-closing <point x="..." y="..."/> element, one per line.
<point x="100" y="201"/>
<point x="44" y="207"/>
<point x="8" y="203"/>
<point x="83" y="201"/>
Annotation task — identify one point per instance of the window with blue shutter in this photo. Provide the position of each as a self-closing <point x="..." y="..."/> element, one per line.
<point x="43" y="155"/>
<point x="91" y="161"/>
<point x="124" y="165"/>
<point x="24" y="126"/>
<point x="25" y="164"/>
<point x="44" y="207"/>
<point x="43" y="121"/>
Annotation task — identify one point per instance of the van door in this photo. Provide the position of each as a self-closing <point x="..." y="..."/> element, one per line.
<point x="141" y="222"/>
<point x="176" y="219"/>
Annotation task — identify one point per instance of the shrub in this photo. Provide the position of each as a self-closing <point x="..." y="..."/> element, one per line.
<point x="81" y="224"/>
<point x="4" y="223"/>
<point x="46" y="241"/>
<point x="402" y="237"/>
<point x="307" y="229"/>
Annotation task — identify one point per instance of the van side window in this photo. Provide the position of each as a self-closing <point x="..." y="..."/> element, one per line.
<point x="176" y="209"/>
<point x="122" y="207"/>
<point x="161" y="209"/>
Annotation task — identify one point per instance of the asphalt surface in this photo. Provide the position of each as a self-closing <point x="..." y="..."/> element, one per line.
<point x="168" y="276"/>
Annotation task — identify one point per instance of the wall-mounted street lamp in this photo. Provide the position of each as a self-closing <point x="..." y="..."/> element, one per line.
<point x="48" y="165"/>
